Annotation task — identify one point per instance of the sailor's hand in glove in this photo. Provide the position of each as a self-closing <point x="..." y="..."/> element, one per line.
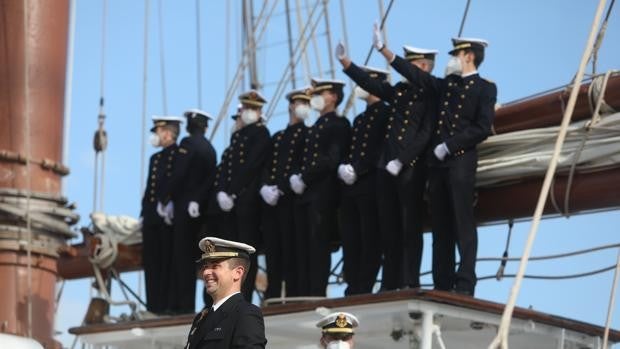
<point x="394" y="167"/>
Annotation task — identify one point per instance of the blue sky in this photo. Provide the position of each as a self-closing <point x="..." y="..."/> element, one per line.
<point x="534" y="46"/>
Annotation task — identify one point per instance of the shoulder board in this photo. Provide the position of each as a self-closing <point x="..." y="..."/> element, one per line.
<point x="182" y="150"/>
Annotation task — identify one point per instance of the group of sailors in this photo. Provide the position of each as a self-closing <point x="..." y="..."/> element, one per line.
<point x="306" y="189"/>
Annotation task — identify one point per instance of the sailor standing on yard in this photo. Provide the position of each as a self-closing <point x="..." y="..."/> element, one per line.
<point x="317" y="186"/>
<point x="157" y="230"/>
<point x="192" y="178"/>
<point x="238" y="185"/>
<point x="337" y="330"/>
<point x="464" y="118"/>
<point x="278" y="219"/>
<point x="232" y="322"/>
<point x="359" y="219"/>
<point x="401" y="177"/>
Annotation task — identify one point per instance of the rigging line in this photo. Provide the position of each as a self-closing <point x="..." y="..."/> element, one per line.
<point x="329" y="40"/>
<point x="145" y="60"/>
<point x="501" y="339"/>
<point x="464" y="18"/>
<point x="289" y="34"/>
<point x="351" y="98"/>
<point x="345" y="36"/>
<point x="599" y="38"/>
<point x="300" y="25"/>
<point x="162" y="63"/>
<point x="555" y="277"/>
<point x="612" y="301"/>
<point x="553" y="256"/>
<point x="299" y="49"/>
<point x="500" y="272"/>
<point x="595" y="119"/>
<point x="198" y="55"/>
<point x="28" y="168"/>
<point x="241" y="66"/>
<point x="315" y="45"/>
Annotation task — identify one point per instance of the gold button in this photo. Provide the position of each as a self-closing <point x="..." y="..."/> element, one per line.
<point x="410" y="103"/>
<point x="462" y="96"/>
<point x="353" y="138"/>
<point x="400" y="93"/>
<point x="400" y="138"/>
<point x="456" y="116"/>
<point x="273" y="177"/>
<point x="402" y="129"/>
<point x="440" y="122"/>
<point x="406" y="122"/>
<point x="241" y="161"/>
<point x="275" y="161"/>
<point x="363" y="145"/>
<point x="407" y="112"/>
<point x="362" y="153"/>
<point x="445" y="103"/>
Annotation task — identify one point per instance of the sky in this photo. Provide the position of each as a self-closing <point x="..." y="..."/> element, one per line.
<point x="533" y="46"/>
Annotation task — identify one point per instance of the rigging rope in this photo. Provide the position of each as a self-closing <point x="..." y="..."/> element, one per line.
<point x="351" y="98"/>
<point x="317" y="56"/>
<point x="501" y="339"/>
<point x="300" y="26"/>
<point x="242" y="64"/>
<point x="162" y="63"/>
<point x="599" y="38"/>
<point x="464" y="18"/>
<point x="612" y="301"/>
<point x="500" y="272"/>
<point x="198" y="55"/>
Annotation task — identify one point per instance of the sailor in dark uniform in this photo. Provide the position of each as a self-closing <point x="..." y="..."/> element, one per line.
<point x="232" y="322"/>
<point x="192" y="178"/>
<point x="157" y="230"/>
<point x="279" y="225"/>
<point x="338" y="330"/>
<point x="238" y="186"/>
<point x="318" y="187"/>
<point x="401" y="177"/>
<point x="464" y="119"/>
<point x="359" y="221"/>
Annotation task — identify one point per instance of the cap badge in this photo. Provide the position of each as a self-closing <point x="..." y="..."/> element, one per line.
<point x="341" y="320"/>
<point x="209" y="247"/>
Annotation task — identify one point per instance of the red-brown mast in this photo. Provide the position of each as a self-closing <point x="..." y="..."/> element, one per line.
<point x="30" y="162"/>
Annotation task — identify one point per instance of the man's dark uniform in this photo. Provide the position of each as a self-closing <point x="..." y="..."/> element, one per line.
<point x="316" y="220"/>
<point x="359" y="222"/>
<point x="191" y="181"/>
<point x="236" y="323"/>
<point x="279" y="224"/>
<point x="465" y="115"/>
<point x="156" y="234"/>
<point x="240" y="177"/>
<point x="400" y="198"/>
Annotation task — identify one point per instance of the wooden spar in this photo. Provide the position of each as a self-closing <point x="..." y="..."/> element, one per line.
<point x="547" y="110"/>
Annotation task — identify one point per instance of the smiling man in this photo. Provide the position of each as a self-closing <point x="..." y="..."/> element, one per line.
<point x="231" y="322"/>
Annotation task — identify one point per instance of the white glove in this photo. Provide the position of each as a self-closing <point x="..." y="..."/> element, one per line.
<point x="341" y="52"/>
<point x="347" y="174"/>
<point x="441" y="150"/>
<point x="225" y="201"/>
<point x="166" y="212"/>
<point x="377" y="41"/>
<point x="394" y="167"/>
<point x="270" y="194"/>
<point x="193" y="209"/>
<point x="297" y="184"/>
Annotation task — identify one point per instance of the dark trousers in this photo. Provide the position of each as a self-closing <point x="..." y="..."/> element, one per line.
<point x="359" y="225"/>
<point x="242" y="224"/>
<point x="400" y="210"/>
<point x="314" y="225"/>
<point x="279" y="235"/>
<point x="185" y="252"/>
<point x="452" y="198"/>
<point x="156" y="257"/>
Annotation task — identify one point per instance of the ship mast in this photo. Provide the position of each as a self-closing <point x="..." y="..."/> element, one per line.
<point x="34" y="217"/>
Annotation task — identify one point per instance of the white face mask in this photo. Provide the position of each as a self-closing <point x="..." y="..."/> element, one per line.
<point x="249" y="116"/>
<point x="338" y="345"/>
<point x="302" y="111"/>
<point x="454" y="66"/>
<point x="317" y="102"/>
<point x="360" y="93"/>
<point x="155" y="140"/>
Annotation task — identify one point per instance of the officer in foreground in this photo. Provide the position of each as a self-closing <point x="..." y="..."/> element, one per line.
<point x="231" y="322"/>
<point x="338" y="330"/>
